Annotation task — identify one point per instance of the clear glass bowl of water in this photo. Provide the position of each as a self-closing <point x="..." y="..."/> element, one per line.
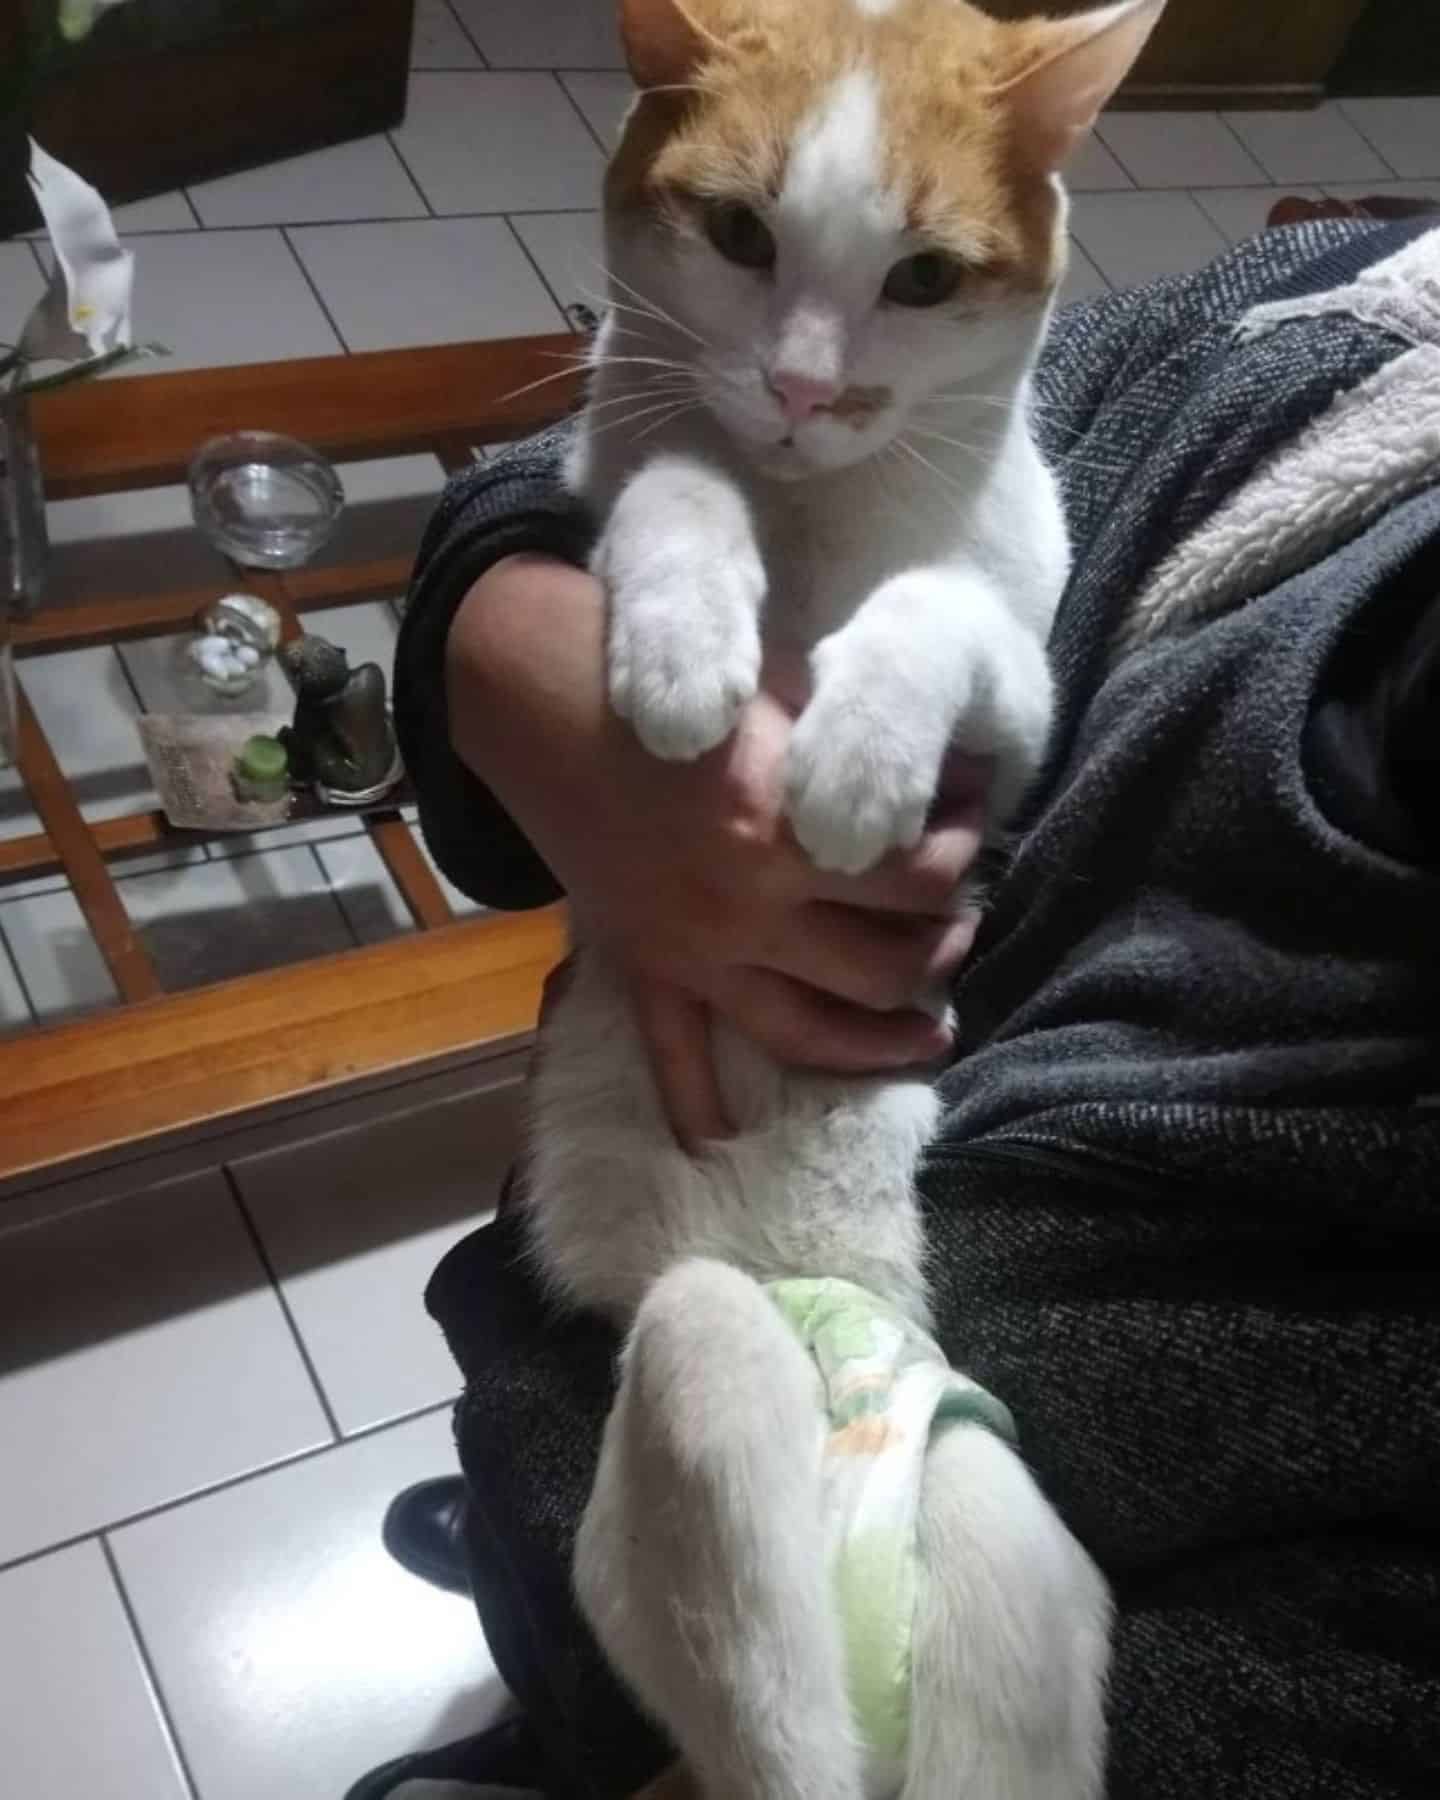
<point x="265" y="501"/>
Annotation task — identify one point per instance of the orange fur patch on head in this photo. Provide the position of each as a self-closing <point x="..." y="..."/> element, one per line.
<point x="763" y="67"/>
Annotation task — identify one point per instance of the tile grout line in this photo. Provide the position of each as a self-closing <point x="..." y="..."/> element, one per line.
<point x="162" y="1507"/>
<point x="1104" y="273"/>
<point x="334" y="891"/>
<point x="539" y="272"/>
<point x="465" y="32"/>
<point x="200" y="224"/>
<point x="309" y="281"/>
<point x="130" y="682"/>
<point x="191" y="232"/>
<point x="1253" y="155"/>
<point x="601" y="145"/>
<point x="147" y="1664"/>
<point x="410" y="173"/>
<point x="1355" y="125"/>
<point x="1079" y="250"/>
<point x="1099" y="132"/>
<point x="258" y="1245"/>
<point x="1195" y="194"/>
<point x="263" y="849"/>
<point x="7" y="951"/>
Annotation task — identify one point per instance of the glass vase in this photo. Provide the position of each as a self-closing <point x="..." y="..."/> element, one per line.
<point x="9" y="722"/>
<point x="24" y="545"/>
<point x="24" y="539"/>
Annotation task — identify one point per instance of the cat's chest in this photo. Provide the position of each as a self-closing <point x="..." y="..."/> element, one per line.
<point x="812" y="591"/>
<point x="826" y="551"/>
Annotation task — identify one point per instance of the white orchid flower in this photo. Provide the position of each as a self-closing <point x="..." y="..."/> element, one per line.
<point x="85" y="311"/>
<point x="77" y="17"/>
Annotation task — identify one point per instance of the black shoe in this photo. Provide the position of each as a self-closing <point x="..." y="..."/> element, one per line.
<point x="499" y="1763"/>
<point x="424" y="1531"/>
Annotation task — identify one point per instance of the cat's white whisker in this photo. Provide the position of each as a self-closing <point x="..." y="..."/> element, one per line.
<point x="980" y="451"/>
<point x="686" y="391"/>
<point x="530" y="386"/>
<point x="644" y="412"/>
<point x="676" y="413"/>
<point x="654" y="308"/>
<point x="613" y="307"/>
<point x="655" y="362"/>
<point x="925" y="463"/>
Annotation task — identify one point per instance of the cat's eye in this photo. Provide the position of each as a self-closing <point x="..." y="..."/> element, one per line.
<point x="740" y="234"/>
<point x="925" y="279"/>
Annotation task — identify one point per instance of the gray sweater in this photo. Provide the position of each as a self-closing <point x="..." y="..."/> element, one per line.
<point x="1183" y="1210"/>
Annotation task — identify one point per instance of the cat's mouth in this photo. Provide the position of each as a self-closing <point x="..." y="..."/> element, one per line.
<point x="857" y="407"/>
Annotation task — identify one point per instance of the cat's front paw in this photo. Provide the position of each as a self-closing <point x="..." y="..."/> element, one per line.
<point x="857" y="784"/>
<point x="684" y="652"/>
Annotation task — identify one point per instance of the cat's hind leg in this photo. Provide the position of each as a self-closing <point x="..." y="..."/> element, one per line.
<point x="700" y="1561"/>
<point x="1011" y="1636"/>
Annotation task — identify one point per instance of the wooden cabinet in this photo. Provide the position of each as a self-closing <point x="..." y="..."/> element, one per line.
<point x="178" y="91"/>
<point x="1395" y="49"/>
<point x="1229" y="52"/>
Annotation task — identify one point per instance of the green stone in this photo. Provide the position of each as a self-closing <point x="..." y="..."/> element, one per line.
<point x="262" y="769"/>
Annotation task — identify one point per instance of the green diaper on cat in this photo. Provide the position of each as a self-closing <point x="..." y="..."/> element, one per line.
<point x="887" y="1391"/>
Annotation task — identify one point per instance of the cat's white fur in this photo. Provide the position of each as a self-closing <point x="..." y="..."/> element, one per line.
<point x="924" y="592"/>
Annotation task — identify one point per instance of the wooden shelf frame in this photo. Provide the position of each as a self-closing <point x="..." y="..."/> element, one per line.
<point x="160" y="1062"/>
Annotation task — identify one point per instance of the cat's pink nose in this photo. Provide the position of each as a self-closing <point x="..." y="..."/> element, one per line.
<point x="802" y="395"/>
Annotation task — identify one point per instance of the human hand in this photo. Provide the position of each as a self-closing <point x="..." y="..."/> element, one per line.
<point x="688" y="873"/>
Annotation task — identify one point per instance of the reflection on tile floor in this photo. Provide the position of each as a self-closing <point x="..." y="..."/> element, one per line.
<point x="209" y="1391"/>
<point x="200" y="1607"/>
<point x="352" y="1261"/>
<point x="292" y="1652"/>
<point x="100" y="1735"/>
<point x="121" y="1323"/>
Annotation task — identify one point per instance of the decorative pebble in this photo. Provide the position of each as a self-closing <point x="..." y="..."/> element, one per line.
<point x="222" y="660"/>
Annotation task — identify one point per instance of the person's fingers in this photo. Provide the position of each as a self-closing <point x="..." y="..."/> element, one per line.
<point x="928" y="879"/>
<point x="964" y="782"/>
<point x="675" y="1027"/>
<point x="806" y="1029"/>
<point x="872" y="959"/>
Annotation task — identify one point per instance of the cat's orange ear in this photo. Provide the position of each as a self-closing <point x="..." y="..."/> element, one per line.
<point x="663" y="43"/>
<point x="1081" y="61"/>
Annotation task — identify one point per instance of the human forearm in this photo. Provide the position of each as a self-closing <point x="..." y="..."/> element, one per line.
<point x="512" y="503"/>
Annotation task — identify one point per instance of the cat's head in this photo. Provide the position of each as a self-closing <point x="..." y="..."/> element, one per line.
<point x="846" y="208"/>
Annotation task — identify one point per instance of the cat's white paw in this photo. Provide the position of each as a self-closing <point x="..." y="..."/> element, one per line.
<point x="685" y="585"/>
<point x="685" y="658"/>
<point x="857" y="784"/>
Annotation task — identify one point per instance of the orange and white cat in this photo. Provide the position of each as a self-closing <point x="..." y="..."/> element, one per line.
<point x="834" y="231"/>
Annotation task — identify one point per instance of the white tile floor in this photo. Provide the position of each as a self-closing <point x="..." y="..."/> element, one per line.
<point x="209" y="1389"/>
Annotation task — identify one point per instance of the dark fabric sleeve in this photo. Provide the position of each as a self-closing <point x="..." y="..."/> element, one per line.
<point x="514" y="503"/>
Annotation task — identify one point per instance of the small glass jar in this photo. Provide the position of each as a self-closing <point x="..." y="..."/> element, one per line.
<point x="232" y="646"/>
